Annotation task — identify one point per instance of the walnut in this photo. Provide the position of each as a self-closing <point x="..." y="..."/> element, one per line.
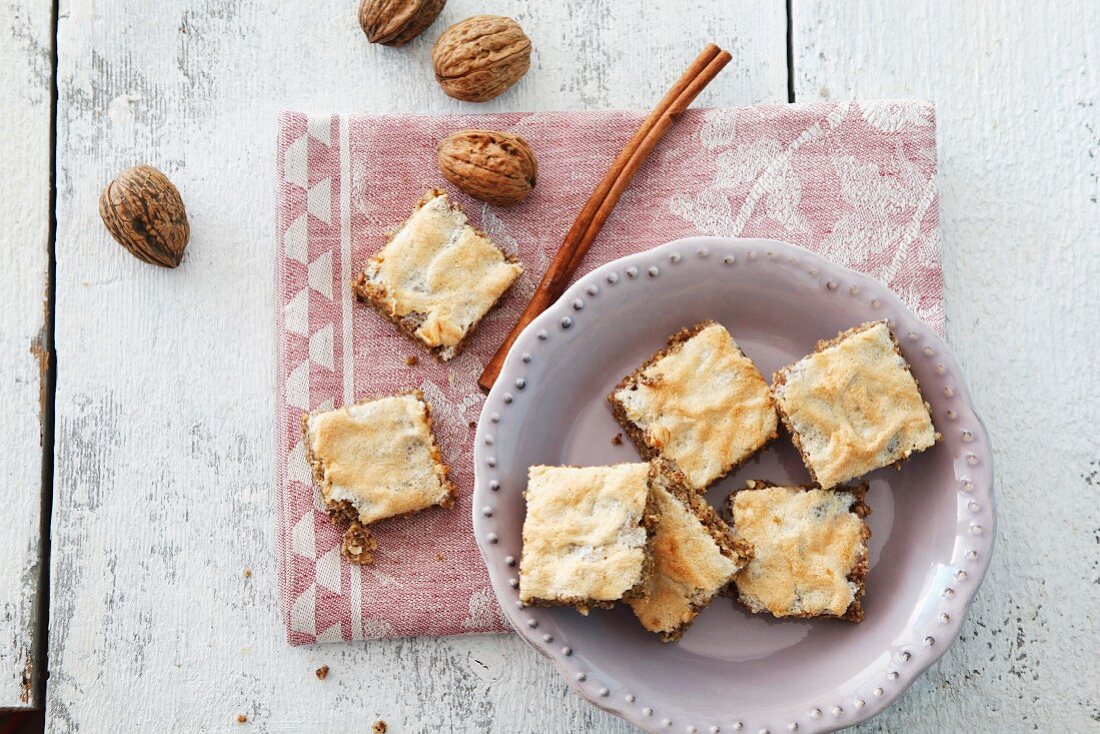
<point x="488" y="165"/>
<point x="144" y="212"/>
<point x="396" y="22"/>
<point x="478" y="58"/>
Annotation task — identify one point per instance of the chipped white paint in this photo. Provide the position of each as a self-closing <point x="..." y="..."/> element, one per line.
<point x="164" y="452"/>
<point x="25" y="46"/>
<point x="1017" y="87"/>
<point x="163" y="472"/>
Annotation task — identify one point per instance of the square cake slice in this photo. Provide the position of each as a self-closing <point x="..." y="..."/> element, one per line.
<point x="586" y="535"/>
<point x="374" y="460"/>
<point x="695" y="557"/>
<point x="437" y="277"/>
<point x="810" y="549"/>
<point x="700" y="403"/>
<point x="853" y="405"/>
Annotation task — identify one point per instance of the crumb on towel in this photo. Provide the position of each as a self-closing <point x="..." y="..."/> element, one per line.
<point x="359" y="544"/>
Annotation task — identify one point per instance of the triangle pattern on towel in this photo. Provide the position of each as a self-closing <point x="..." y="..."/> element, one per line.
<point x="320" y="127"/>
<point x="297" y="465"/>
<point x="328" y="570"/>
<point x="295" y="243"/>
<point x="320" y="275"/>
<point x="297" y="387"/>
<point x="295" y="162"/>
<point x="319" y="200"/>
<point x="334" y="633"/>
<point x="304" y="537"/>
<point x="296" y="314"/>
<point x="320" y="347"/>
<point x="303" y="612"/>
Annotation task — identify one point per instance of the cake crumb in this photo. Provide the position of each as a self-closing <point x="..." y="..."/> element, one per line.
<point x="617" y="439"/>
<point x="242" y="719"/>
<point x="473" y="424"/>
<point x="248" y="573"/>
<point x="412" y="360"/>
<point x="359" y="545"/>
<point x="379" y="727"/>
<point x="322" y="672"/>
<point x="439" y="556"/>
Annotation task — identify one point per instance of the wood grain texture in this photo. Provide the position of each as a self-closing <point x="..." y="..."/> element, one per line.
<point x="164" y="475"/>
<point x="25" y="49"/>
<point x="1017" y="85"/>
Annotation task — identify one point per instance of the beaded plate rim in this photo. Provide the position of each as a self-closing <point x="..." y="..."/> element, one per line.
<point x="977" y="514"/>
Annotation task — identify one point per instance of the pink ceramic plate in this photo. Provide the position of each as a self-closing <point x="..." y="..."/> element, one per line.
<point x="932" y="522"/>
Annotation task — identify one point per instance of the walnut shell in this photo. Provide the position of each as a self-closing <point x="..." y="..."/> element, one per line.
<point x="488" y="165"/>
<point x="478" y="58"/>
<point x="144" y="212"/>
<point x="396" y="22"/>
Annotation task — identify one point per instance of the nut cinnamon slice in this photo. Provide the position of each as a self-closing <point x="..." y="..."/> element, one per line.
<point x="437" y="277"/>
<point x="375" y="460"/>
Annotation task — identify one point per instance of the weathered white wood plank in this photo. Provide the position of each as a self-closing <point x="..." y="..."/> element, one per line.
<point x="1017" y="85"/>
<point x="25" y="50"/>
<point x="164" y="456"/>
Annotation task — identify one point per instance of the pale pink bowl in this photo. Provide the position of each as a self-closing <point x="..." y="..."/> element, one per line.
<point x="933" y="521"/>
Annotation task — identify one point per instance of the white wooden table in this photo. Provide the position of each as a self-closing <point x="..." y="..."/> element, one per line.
<point x="158" y="438"/>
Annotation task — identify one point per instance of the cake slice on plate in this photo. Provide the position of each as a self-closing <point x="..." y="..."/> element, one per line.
<point x="700" y="403"/>
<point x="695" y="557"/>
<point x="437" y="277"/>
<point x="810" y="549"/>
<point x="375" y="460"/>
<point x="853" y="405"/>
<point x="586" y="535"/>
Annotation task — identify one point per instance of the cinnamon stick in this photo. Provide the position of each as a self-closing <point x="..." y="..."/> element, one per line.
<point x="600" y="204"/>
<point x="638" y="157"/>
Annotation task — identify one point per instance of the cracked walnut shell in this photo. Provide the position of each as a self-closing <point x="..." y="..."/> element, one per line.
<point x="396" y="22"/>
<point x="478" y="58"/>
<point x="143" y="211"/>
<point x="489" y="165"/>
